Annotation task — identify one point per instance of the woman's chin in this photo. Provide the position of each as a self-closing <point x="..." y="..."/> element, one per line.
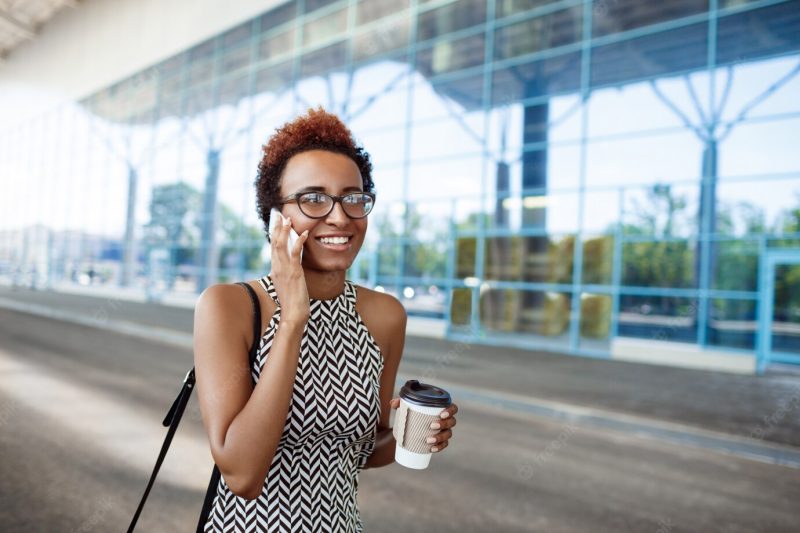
<point x="329" y="264"/>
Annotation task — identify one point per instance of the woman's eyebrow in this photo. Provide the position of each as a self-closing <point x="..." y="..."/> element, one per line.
<point x="314" y="188"/>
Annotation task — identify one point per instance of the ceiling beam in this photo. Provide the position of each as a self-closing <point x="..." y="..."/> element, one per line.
<point x="24" y="29"/>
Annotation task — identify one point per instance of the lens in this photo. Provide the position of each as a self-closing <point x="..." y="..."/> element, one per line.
<point x="357" y="205"/>
<point x="315" y="204"/>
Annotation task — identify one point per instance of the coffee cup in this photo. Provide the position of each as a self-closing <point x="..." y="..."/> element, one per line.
<point x="420" y="405"/>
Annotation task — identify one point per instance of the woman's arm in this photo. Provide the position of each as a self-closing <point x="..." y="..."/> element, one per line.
<point x="244" y="425"/>
<point x="387" y="324"/>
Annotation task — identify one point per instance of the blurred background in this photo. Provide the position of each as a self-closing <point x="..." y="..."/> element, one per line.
<point x="614" y="179"/>
<point x="563" y="174"/>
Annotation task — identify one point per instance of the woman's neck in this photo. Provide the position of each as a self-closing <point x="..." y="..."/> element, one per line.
<point x="324" y="285"/>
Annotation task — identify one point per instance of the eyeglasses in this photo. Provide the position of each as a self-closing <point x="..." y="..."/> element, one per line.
<point x="319" y="204"/>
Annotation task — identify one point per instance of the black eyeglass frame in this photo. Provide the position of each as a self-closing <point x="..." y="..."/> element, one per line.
<point x="334" y="199"/>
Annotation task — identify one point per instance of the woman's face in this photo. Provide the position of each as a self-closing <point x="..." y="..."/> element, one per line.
<point x="334" y="174"/>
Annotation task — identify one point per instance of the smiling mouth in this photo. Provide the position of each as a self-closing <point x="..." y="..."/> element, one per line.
<point x="334" y="240"/>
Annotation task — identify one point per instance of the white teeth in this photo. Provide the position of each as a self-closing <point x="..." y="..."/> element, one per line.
<point x="334" y="240"/>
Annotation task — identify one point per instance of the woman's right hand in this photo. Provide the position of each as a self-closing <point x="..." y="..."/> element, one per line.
<point x="287" y="274"/>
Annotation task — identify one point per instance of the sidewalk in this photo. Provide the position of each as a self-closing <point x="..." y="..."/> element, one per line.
<point x="734" y="413"/>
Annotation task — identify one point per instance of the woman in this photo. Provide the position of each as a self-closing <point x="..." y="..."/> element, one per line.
<point x="291" y="448"/>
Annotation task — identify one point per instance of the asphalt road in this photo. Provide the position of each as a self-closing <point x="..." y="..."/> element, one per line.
<point x="80" y="413"/>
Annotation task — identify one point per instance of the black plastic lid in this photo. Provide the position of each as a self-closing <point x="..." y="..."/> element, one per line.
<point x="423" y="394"/>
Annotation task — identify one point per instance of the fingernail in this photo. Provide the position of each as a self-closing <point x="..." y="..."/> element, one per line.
<point x="434" y="449"/>
<point x="286" y="221"/>
<point x="431" y="440"/>
<point x="445" y="414"/>
<point x="435" y="425"/>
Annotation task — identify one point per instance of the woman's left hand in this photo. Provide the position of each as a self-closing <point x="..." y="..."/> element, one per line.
<point x="447" y="420"/>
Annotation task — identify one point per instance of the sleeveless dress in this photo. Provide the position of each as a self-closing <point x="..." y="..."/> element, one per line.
<point x="330" y="428"/>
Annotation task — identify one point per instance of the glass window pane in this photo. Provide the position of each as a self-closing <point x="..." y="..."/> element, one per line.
<point x="533" y="312"/>
<point x="663" y="318"/>
<point x="313" y="5"/>
<point x="658" y="264"/>
<point x="662" y="53"/>
<point x="735" y="265"/>
<point x="644" y="159"/>
<point x="662" y="210"/>
<point x="385" y="38"/>
<point x="450" y="55"/>
<point x="278" y="15"/>
<point x="637" y="107"/>
<point x="275" y="78"/>
<point x="388" y="254"/>
<point x="541" y="33"/>
<point x="601" y="211"/>
<point x="323" y="60"/>
<point x="426" y="259"/>
<point x="371" y="10"/>
<point x="762" y="32"/>
<point x="467" y="214"/>
<point x="234" y="89"/>
<point x="465" y="257"/>
<point x="235" y="59"/>
<point x="424" y="299"/>
<point x="463" y="137"/>
<point x="750" y="82"/>
<point x="446" y="178"/>
<point x="448" y="97"/>
<point x="536" y="78"/>
<point x="201" y="71"/>
<point x="613" y="16"/>
<point x="461" y="307"/>
<point x="774" y="141"/>
<point x="595" y="319"/>
<point x="449" y="18"/>
<point x="732" y="323"/>
<point x="237" y="36"/>
<point x="534" y="259"/>
<point x="758" y="206"/>
<point x="276" y="45"/>
<point x="598" y="259"/>
<point x="325" y="28"/>
<point x="505" y="8"/>
<point x="786" y="310"/>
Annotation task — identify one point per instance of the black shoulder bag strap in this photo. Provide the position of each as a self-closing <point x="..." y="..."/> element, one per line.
<point x="175" y="413"/>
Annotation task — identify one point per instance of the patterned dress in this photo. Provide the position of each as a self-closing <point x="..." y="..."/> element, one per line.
<point x="330" y="429"/>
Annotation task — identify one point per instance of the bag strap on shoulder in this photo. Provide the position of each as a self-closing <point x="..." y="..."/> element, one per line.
<point x="175" y="414"/>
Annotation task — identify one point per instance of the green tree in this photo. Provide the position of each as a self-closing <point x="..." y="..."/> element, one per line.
<point x="174" y="208"/>
<point x="175" y="224"/>
<point x="659" y="263"/>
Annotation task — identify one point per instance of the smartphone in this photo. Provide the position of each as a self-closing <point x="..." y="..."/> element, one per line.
<point x="275" y="217"/>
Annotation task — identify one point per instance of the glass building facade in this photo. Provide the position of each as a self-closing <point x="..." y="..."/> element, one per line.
<point x="550" y="174"/>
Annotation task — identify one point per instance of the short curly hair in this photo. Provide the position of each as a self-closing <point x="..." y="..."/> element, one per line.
<point x="316" y="130"/>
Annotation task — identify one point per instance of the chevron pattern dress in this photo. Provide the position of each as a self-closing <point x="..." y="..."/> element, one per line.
<point x="330" y="429"/>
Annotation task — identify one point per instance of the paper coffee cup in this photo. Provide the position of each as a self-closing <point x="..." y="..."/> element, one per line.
<point x="420" y="405"/>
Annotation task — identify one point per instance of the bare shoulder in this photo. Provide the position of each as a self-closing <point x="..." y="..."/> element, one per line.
<point x="380" y="305"/>
<point x="221" y="297"/>
<point x="383" y="314"/>
<point x="219" y="307"/>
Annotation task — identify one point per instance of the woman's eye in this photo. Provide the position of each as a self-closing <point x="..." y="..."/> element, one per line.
<point x="313" y="199"/>
<point x="354" y="198"/>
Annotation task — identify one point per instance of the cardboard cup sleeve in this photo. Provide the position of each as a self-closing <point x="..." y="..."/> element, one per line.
<point x="412" y="428"/>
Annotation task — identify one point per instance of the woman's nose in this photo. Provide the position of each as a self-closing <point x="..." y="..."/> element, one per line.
<point x="337" y="216"/>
